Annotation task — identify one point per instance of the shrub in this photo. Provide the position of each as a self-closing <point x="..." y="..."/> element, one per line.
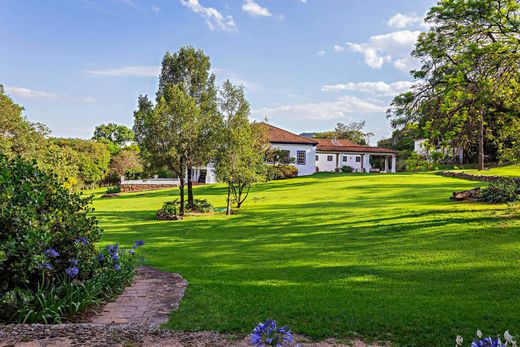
<point x="42" y="227"/>
<point x="347" y="169"/>
<point x="506" y="190"/>
<point x="280" y="172"/>
<point x="114" y="190"/>
<point x="170" y="208"/>
<point x="202" y="206"/>
<point x="415" y="162"/>
<point x="63" y="297"/>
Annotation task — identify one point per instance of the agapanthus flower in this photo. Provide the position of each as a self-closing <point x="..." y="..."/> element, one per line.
<point x="115" y="257"/>
<point x="101" y="257"/>
<point x="73" y="261"/>
<point x="82" y="240"/>
<point x="72" y="271"/>
<point x="51" y="253"/>
<point x="117" y="267"/>
<point x="268" y="334"/>
<point x="46" y="266"/>
<point x="488" y="342"/>
<point x="131" y="251"/>
<point x="139" y="243"/>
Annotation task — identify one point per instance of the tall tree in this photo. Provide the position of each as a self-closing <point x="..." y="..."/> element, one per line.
<point x="116" y="136"/>
<point x="239" y="156"/>
<point x="165" y="134"/>
<point x="189" y="69"/>
<point x="468" y="82"/>
<point x="352" y="132"/>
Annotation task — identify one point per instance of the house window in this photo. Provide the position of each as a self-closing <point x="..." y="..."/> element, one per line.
<point x="317" y="158"/>
<point x="345" y="158"/>
<point x="300" y="157"/>
<point x="358" y="159"/>
<point x="330" y="158"/>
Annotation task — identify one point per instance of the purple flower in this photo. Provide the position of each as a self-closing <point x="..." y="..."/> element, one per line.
<point x="268" y="334"/>
<point x="487" y="342"/>
<point x="139" y="243"/>
<point x="51" y="253"/>
<point x="73" y="261"/>
<point x="72" y="271"/>
<point x="101" y="257"/>
<point x="131" y="252"/>
<point x="82" y="240"/>
<point x="117" y="267"/>
<point x="46" y="266"/>
<point x="115" y="257"/>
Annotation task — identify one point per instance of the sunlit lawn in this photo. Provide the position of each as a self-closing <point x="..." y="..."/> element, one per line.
<point x="386" y="257"/>
<point x="509" y="170"/>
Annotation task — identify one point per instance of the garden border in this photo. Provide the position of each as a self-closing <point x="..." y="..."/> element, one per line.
<point x="481" y="178"/>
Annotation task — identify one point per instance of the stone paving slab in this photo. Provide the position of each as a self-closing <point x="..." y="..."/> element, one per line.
<point x="148" y="301"/>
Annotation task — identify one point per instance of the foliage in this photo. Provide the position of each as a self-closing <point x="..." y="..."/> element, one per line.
<point x="278" y="156"/>
<point x="126" y="163"/>
<point x="114" y="189"/>
<point x="93" y="158"/>
<point x="269" y="334"/>
<point x="280" y="172"/>
<point x="466" y="91"/>
<point x="115" y="136"/>
<point x="352" y="132"/>
<point x="506" y="190"/>
<point x="42" y="226"/>
<point x="171" y="208"/>
<point x="18" y="136"/>
<point x="347" y="169"/>
<point x="239" y="160"/>
<point x="61" y="298"/>
<point x="417" y="162"/>
<point x="202" y="206"/>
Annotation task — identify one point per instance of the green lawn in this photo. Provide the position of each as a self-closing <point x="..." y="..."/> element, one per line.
<point x="385" y="257"/>
<point x="509" y="170"/>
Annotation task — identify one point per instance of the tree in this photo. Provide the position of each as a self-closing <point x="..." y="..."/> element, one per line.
<point x="18" y="136"/>
<point x="239" y="159"/>
<point x="124" y="163"/>
<point x="352" y="132"/>
<point x="115" y="136"/>
<point x="164" y="132"/>
<point x="466" y="91"/>
<point x="189" y="69"/>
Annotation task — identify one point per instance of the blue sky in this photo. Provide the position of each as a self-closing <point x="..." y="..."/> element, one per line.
<point x="306" y="65"/>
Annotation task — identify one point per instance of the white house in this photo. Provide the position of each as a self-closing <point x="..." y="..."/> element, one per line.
<point x="333" y="154"/>
<point x="301" y="149"/>
<point x="457" y="153"/>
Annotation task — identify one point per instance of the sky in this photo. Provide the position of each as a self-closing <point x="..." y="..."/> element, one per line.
<point x="305" y="64"/>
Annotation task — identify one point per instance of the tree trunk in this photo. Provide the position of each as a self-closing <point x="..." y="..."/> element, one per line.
<point x="228" y="207"/>
<point x="481" y="163"/>
<point x="182" y="176"/>
<point x="190" y="189"/>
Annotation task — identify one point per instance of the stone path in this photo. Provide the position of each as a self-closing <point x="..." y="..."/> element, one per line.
<point x="148" y="301"/>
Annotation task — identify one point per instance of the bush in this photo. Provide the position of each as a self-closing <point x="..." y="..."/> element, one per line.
<point x="280" y="172"/>
<point x="415" y="162"/>
<point x="62" y="298"/>
<point x="347" y="169"/>
<point x="170" y="209"/>
<point x="202" y="206"/>
<point x="114" y="190"/>
<point x="506" y="190"/>
<point x="42" y="227"/>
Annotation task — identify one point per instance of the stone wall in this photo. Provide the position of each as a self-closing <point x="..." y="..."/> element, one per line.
<point x="480" y="178"/>
<point x="144" y="187"/>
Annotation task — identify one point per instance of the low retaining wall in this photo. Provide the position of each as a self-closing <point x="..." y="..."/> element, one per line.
<point x="481" y="178"/>
<point x="143" y="187"/>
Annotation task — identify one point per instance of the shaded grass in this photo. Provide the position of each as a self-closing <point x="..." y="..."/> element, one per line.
<point x="388" y="257"/>
<point x="509" y="170"/>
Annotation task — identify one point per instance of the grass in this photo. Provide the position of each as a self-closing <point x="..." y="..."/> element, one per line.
<point x="383" y="257"/>
<point x="509" y="170"/>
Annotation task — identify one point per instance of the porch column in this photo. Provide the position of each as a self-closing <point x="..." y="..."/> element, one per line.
<point x="367" y="163"/>
<point x="393" y="163"/>
<point x="386" y="164"/>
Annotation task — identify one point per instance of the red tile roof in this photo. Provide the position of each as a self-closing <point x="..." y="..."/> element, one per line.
<point x="277" y="135"/>
<point x="348" y="146"/>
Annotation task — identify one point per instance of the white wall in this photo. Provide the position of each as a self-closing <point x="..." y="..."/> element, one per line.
<point x="454" y="153"/>
<point x="324" y="165"/>
<point x="310" y="156"/>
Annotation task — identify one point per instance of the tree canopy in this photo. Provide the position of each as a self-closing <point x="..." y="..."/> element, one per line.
<point x="352" y="132"/>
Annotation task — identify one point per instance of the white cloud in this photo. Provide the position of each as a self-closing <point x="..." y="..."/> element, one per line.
<point x="376" y="88"/>
<point x="401" y="21"/>
<point x="393" y="48"/>
<point x="213" y="18"/>
<point x="155" y="9"/>
<point x="321" y="53"/>
<point x="338" y="48"/>
<point x="26" y="93"/>
<point x="324" y="110"/>
<point x="254" y="9"/>
<point x="135" y="71"/>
